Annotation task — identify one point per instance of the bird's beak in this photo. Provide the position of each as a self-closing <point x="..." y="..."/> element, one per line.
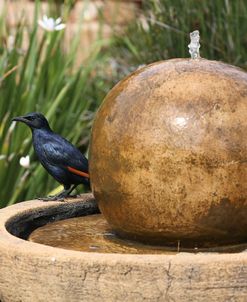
<point x="19" y="119"/>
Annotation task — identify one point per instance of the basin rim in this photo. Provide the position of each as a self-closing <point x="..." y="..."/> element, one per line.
<point x="36" y="272"/>
<point x="17" y="245"/>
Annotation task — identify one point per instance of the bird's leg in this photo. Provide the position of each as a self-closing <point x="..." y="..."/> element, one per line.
<point x="66" y="192"/>
<point x="72" y="189"/>
<point x="60" y="196"/>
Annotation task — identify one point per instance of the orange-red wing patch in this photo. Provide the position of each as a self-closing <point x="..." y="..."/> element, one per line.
<point x="77" y="172"/>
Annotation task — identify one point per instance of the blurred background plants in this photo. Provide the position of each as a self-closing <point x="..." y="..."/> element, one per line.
<point x="44" y="76"/>
<point x="162" y="32"/>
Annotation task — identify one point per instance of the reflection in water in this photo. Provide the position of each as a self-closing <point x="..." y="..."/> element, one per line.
<point x="92" y="234"/>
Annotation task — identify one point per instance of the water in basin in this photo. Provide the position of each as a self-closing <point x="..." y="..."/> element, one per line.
<point x="93" y="234"/>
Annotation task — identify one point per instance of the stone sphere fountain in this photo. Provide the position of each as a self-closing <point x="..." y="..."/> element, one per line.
<point x="169" y="151"/>
<point x="168" y="169"/>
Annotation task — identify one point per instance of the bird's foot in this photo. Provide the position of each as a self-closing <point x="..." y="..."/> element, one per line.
<point x="73" y="196"/>
<point x="51" y="198"/>
<point x="60" y="196"/>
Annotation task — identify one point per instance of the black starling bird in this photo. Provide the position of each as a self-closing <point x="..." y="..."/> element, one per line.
<point x="58" y="156"/>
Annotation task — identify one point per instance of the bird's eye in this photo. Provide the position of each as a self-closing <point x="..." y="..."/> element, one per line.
<point x="31" y="118"/>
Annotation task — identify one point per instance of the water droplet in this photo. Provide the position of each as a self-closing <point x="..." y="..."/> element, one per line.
<point x="94" y="247"/>
<point x="109" y="234"/>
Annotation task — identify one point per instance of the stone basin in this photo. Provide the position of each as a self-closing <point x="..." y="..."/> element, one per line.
<point x="35" y="272"/>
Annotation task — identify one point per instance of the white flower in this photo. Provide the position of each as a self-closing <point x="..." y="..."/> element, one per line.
<point x="2" y="156"/>
<point x="50" y="24"/>
<point x="10" y="42"/>
<point x="25" y="161"/>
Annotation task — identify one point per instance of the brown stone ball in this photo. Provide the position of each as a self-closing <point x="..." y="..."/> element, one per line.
<point x="168" y="155"/>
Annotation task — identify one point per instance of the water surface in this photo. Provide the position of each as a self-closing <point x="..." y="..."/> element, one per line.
<point x="93" y="234"/>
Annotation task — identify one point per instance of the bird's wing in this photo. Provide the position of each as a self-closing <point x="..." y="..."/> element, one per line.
<point x="60" y="152"/>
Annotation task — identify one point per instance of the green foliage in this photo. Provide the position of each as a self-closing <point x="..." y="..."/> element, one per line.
<point x="42" y="77"/>
<point x="163" y="32"/>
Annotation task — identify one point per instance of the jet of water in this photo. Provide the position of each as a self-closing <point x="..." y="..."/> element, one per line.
<point x="194" y="44"/>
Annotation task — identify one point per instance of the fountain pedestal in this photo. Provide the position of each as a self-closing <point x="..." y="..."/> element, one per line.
<point x="35" y="272"/>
